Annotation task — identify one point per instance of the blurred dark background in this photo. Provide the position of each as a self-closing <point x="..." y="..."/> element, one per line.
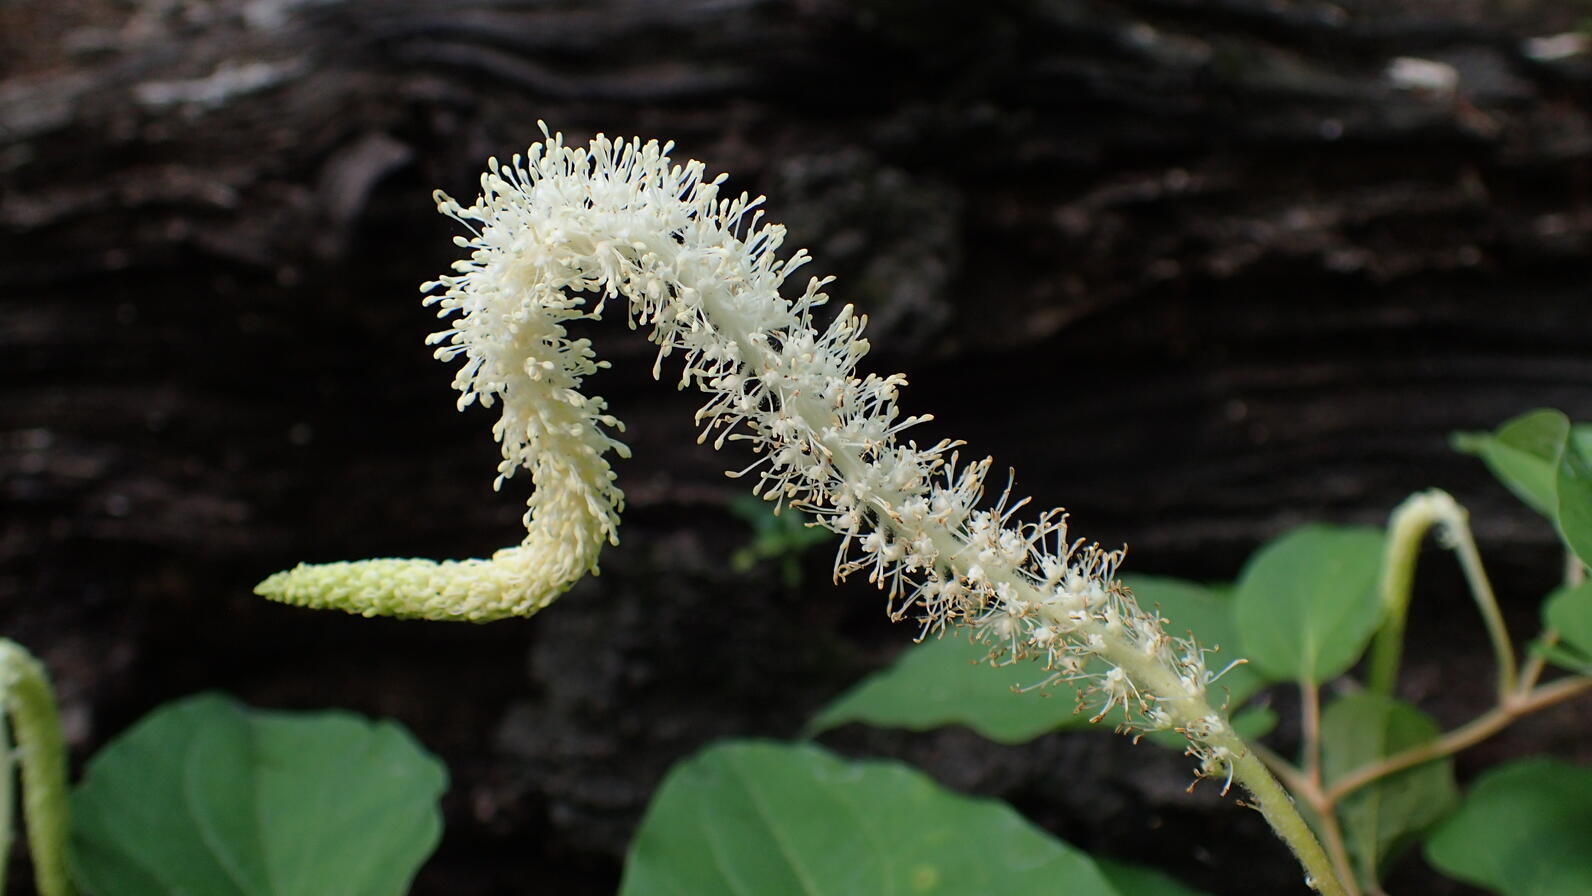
<point x="1200" y="271"/>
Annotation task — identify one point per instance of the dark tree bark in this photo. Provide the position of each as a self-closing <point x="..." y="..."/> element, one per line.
<point x="1201" y="270"/>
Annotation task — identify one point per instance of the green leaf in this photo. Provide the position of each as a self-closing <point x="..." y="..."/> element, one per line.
<point x="778" y="537"/>
<point x="1568" y="611"/>
<point x="1383" y="818"/>
<point x="1135" y="880"/>
<point x="774" y="819"/>
<point x="1524" y="454"/>
<point x="1581" y="437"/>
<point x="1523" y="830"/>
<point x="1547" y="462"/>
<point x="204" y="796"/>
<point x="1306" y="603"/>
<point x="945" y="681"/>
<point x="1250" y="724"/>
<point x="1574" y="508"/>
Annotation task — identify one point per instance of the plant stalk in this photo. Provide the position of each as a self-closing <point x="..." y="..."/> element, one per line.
<point x="1280" y="812"/>
<point x="1406" y="528"/>
<point x="1248" y="771"/>
<point x="1457" y="528"/>
<point x="25" y="695"/>
<point x="1467" y="735"/>
<point x="1310" y="730"/>
<point x="7" y="797"/>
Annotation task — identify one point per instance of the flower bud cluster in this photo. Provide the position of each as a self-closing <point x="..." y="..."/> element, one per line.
<point x="558" y="233"/>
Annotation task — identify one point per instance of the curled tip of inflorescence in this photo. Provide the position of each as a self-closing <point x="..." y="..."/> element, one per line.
<point x="514" y="582"/>
<point x="557" y="233"/>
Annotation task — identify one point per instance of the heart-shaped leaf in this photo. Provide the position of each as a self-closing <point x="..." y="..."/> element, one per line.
<point x="1306" y="603"/>
<point x="1384" y="817"/>
<point x="206" y="797"/>
<point x="1523" y="830"/>
<point x="778" y="819"/>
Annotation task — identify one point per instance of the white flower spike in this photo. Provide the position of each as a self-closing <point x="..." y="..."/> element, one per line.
<point x="558" y="233"/>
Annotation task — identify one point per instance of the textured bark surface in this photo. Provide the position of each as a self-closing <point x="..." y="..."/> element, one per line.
<point x="1199" y="270"/>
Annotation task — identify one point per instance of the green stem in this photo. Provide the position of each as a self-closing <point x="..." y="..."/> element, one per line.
<point x="1309" y="791"/>
<point x="1467" y="735"/>
<point x="7" y="770"/>
<point x="1405" y="529"/>
<point x="1267" y="795"/>
<point x="25" y="694"/>
<point x="1310" y="730"/>
<point x="1327" y="822"/>
<point x="1457" y="528"/>
<point x="1531" y="670"/>
<point x="1332" y="842"/>
<point x="1249" y="772"/>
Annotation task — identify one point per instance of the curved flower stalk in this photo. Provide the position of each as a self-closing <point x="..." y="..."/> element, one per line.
<point x="559" y="233"/>
<point x="26" y="697"/>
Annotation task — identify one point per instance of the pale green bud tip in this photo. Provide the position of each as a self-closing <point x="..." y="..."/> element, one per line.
<point x="510" y="584"/>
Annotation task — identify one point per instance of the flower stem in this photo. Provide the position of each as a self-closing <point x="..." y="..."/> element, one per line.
<point x="1311" y="794"/>
<point x="1310" y="730"/>
<point x="1273" y="802"/>
<point x="1405" y="529"/>
<point x="1477" y="730"/>
<point x="25" y="695"/>
<point x="1332" y="841"/>
<point x="1458" y="529"/>
<point x="7" y="798"/>
<point x="1248" y="770"/>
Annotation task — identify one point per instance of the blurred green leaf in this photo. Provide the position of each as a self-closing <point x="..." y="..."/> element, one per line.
<point x="1136" y="880"/>
<point x="1524" y="829"/>
<point x="1574" y="509"/>
<point x="1250" y="723"/>
<point x="775" y="819"/>
<point x="1547" y="462"/>
<point x="1581" y="437"/>
<point x="780" y="538"/>
<point x="945" y="681"/>
<point x="1568" y="611"/>
<point x="1524" y="454"/>
<point x="1306" y="603"/>
<point x="204" y="796"/>
<point x="1386" y="816"/>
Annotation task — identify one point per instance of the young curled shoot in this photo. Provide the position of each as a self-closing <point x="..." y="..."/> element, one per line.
<point x="557" y="234"/>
